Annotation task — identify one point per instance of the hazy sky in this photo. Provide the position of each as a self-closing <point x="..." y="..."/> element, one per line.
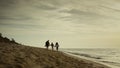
<point x="72" y="23"/>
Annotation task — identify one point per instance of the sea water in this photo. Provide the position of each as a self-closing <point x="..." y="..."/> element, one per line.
<point x="110" y="57"/>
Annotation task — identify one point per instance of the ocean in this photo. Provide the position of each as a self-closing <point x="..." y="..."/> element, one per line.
<point x="109" y="57"/>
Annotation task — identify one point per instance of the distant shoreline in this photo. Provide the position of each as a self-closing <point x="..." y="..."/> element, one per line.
<point x="109" y="57"/>
<point x="96" y="64"/>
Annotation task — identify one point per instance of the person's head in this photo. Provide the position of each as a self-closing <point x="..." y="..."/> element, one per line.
<point x="56" y="42"/>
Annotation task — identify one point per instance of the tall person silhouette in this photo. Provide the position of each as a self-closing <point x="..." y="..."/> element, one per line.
<point x="47" y="44"/>
<point x="57" y="46"/>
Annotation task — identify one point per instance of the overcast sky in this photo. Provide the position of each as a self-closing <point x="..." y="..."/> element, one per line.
<point x="72" y="23"/>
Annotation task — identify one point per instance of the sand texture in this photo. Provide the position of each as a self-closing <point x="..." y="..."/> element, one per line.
<point x="14" y="55"/>
<point x="19" y="56"/>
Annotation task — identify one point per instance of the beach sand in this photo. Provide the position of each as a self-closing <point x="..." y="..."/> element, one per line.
<point x="20" y="56"/>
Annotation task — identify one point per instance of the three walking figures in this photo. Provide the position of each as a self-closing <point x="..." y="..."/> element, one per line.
<point x="47" y="44"/>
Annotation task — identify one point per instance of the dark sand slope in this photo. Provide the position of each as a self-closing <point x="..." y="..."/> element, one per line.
<point x="19" y="56"/>
<point x="14" y="55"/>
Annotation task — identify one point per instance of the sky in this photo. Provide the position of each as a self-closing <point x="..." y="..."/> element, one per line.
<point x="71" y="23"/>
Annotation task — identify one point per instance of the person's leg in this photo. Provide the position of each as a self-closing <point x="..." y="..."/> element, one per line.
<point x="47" y="47"/>
<point x="52" y="48"/>
<point x="57" y="48"/>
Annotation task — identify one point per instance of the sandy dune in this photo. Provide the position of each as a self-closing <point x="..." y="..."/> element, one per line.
<point x="20" y="56"/>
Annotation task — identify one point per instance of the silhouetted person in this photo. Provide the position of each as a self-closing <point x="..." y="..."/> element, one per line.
<point x="47" y="44"/>
<point x="57" y="46"/>
<point x="52" y="45"/>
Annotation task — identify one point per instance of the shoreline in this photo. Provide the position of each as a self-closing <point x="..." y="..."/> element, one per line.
<point x="86" y="60"/>
<point x="105" y="56"/>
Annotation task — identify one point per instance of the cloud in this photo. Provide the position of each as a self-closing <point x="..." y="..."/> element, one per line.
<point x="111" y="8"/>
<point x="81" y="17"/>
<point x="78" y="12"/>
<point x="42" y="5"/>
<point x="60" y="19"/>
<point x="45" y="7"/>
<point x="14" y="18"/>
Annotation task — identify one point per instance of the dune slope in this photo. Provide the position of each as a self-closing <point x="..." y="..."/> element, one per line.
<point x="14" y="55"/>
